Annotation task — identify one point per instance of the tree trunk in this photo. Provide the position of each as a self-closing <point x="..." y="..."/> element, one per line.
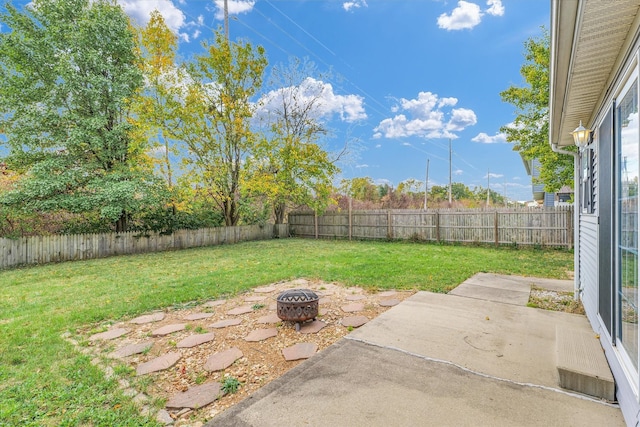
<point x="121" y="224"/>
<point x="279" y="210"/>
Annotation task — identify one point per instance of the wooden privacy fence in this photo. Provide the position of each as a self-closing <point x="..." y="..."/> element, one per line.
<point x="55" y="248"/>
<point x="550" y="227"/>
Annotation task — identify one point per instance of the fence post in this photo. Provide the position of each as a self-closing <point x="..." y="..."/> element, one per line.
<point x="315" y="222"/>
<point x="570" y="226"/>
<point x="389" y="229"/>
<point x="495" y="228"/>
<point x="438" y="226"/>
<point x="350" y="217"/>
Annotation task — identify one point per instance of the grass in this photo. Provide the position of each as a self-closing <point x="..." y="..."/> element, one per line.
<point x="45" y="382"/>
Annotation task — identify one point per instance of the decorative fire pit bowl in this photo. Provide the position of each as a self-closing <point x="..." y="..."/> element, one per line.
<point x="297" y="305"/>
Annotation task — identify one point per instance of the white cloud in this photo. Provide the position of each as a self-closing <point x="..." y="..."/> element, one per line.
<point x="354" y="4"/>
<point x="428" y="118"/>
<point x="468" y="15"/>
<point x="494" y="175"/>
<point x="362" y="166"/>
<point x="349" y="108"/>
<point x="465" y="16"/>
<point x="234" y="7"/>
<point x="483" y="138"/>
<point x="495" y="7"/>
<point x="140" y="11"/>
<point x="378" y="145"/>
<point x="458" y="172"/>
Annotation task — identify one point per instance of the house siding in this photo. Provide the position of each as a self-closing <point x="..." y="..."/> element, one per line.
<point x="589" y="262"/>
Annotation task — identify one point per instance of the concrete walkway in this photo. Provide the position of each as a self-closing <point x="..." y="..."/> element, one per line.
<point x="435" y="359"/>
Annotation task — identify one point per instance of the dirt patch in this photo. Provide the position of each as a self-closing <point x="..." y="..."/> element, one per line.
<point x="554" y="300"/>
<point x="262" y="361"/>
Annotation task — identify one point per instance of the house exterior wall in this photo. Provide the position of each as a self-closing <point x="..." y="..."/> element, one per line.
<point x="627" y="380"/>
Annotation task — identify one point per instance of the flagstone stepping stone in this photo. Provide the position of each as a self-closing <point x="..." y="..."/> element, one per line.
<point x="131" y="349"/>
<point x="354" y="321"/>
<point x="255" y="298"/>
<point x="163" y="417"/>
<point x="322" y="311"/>
<point x="168" y="329"/>
<point x="214" y="303"/>
<point x="198" y="316"/>
<point x="264" y="289"/>
<point x="109" y="335"/>
<point x="243" y="309"/>
<point x="195" y="340"/>
<point x="273" y="306"/>
<point x="312" y="327"/>
<point x="269" y="318"/>
<point x="354" y="297"/>
<point x="387" y="293"/>
<point x="355" y="290"/>
<point x="158" y="364"/>
<point x="389" y="302"/>
<point x="261" y="334"/>
<point x="324" y="300"/>
<point x="353" y="307"/>
<point x="225" y="323"/>
<point x="303" y="350"/>
<point x="222" y="359"/>
<point x="324" y="293"/>
<point x="196" y="397"/>
<point x="148" y="318"/>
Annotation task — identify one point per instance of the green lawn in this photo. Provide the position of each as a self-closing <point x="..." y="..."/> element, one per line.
<point x="44" y="381"/>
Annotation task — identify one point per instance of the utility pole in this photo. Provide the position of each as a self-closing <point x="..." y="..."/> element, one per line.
<point x="426" y="186"/>
<point x="488" y="176"/>
<point x="226" y="19"/>
<point x="450" y="172"/>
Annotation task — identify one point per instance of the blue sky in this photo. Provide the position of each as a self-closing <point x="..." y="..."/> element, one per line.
<point x="406" y="75"/>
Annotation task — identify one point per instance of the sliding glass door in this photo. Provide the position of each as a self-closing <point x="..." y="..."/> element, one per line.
<point x="628" y="160"/>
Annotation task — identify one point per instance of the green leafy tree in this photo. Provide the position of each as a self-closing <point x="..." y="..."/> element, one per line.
<point x="291" y="167"/>
<point x="214" y="121"/>
<point x="68" y="70"/>
<point x="530" y="129"/>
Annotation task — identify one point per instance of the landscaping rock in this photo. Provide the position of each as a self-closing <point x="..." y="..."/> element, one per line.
<point x="351" y="308"/>
<point x="243" y="309"/>
<point x="198" y="316"/>
<point x="222" y="359"/>
<point x="109" y="335"/>
<point x="158" y="364"/>
<point x="261" y="334"/>
<point x="225" y="323"/>
<point x="168" y="329"/>
<point x="389" y="302"/>
<point x="131" y="349"/>
<point x="354" y="321"/>
<point x="269" y="318"/>
<point x="264" y="289"/>
<point x="303" y="350"/>
<point x="195" y="340"/>
<point x="214" y="303"/>
<point x="312" y="327"/>
<point x="148" y="318"/>
<point x="196" y="397"/>
<point x="255" y="299"/>
<point x="354" y="297"/>
<point x="163" y="417"/>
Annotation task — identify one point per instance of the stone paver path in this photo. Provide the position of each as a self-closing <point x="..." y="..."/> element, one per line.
<point x="168" y="329"/>
<point x="196" y="397"/>
<point x="223" y="359"/>
<point x="261" y="334"/>
<point x="148" y="318"/>
<point x="386" y="294"/>
<point x="269" y="318"/>
<point x="355" y="297"/>
<point x="389" y="302"/>
<point x="264" y="289"/>
<point x="195" y="340"/>
<point x="312" y="327"/>
<point x="225" y="323"/>
<point x="158" y="364"/>
<point x="198" y="316"/>
<point x="255" y="298"/>
<point x="351" y="308"/>
<point x="303" y="350"/>
<point x="354" y="321"/>
<point x="131" y="349"/>
<point x="109" y="335"/>
<point x="243" y="309"/>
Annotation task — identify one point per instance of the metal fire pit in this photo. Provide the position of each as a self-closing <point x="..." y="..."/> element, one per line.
<point x="297" y="305"/>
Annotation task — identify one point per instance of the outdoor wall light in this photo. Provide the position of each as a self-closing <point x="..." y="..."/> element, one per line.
<point x="581" y="136"/>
